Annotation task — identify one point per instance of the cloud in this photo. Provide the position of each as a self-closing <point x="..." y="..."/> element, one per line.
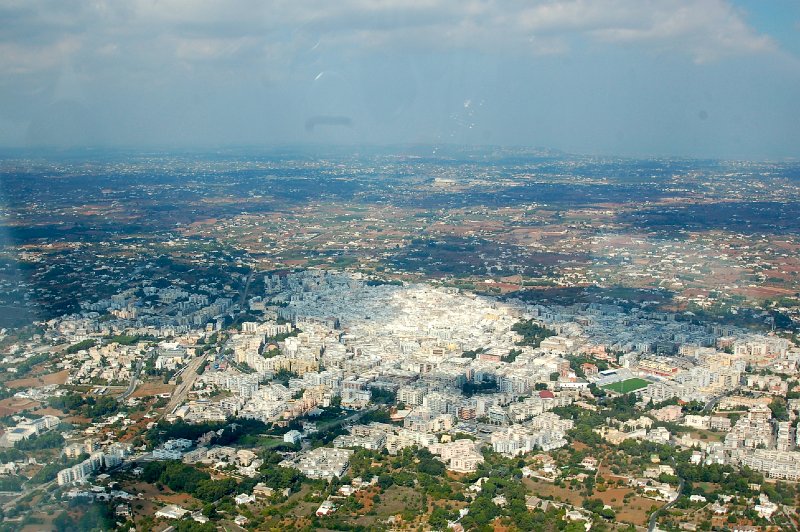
<point x="18" y="59"/>
<point x="165" y="33"/>
<point x="706" y="31"/>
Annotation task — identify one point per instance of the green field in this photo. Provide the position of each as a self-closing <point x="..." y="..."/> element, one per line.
<point x="627" y="386"/>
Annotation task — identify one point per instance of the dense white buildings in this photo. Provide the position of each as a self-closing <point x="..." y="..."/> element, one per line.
<point x="367" y="437"/>
<point x="453" y="360"/>
<point x="544" y="432"/>
<point x="780" y="465"/>
<point x="461" y="456"/>
<point x="323" y="462"/>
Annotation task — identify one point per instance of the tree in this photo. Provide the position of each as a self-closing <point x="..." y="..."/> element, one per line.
<point x="385" y="481"/>
<point x="532" y="333"/>
<point x="382" y="395"/>
<point x="511" y="356"/>
<point x="177" y="476"/>
<point x="11" y="483"/>
<point x="48" y="440"/>
<point x="779" y="410"/>
<point x="608" y="513"/>
<point x="63" y="523"/>
<point x="189" y="525"/>
<point x="431" y="466"/>
<point x="66" y="403"/>
<point x="438" y="519"/>
<point x="597" y="391"/>
<point x="85" y="344"/>
<point x="272" y="353"/>
<point x="481" y="512"/>
<point x="213" y="490"/>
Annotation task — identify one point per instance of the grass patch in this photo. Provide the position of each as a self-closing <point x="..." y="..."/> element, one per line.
<point x="627" y="386"/>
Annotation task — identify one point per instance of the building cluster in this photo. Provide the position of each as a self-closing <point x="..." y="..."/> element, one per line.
<point x="244" y="461"/>
<point x="104" y="364"/>
<point x="765" y="444"/>
<point x="172" y="449"/>
<point x="322" y="462"/>
<point x="339" y="337"/>
<point x="344" y="338"/>
<point x="111" y="457"/>
<point x="455" y="366"/>
<point x="545" y="431"/>
<point x="152" y="311"/>
<point x="27" y="428"/>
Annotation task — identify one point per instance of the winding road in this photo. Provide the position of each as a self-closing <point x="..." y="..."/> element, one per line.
<point x="651" y="525"/>
<point x="709" y="406"/>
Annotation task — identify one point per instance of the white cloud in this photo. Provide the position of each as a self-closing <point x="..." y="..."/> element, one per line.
<point x="704" y="30"/>
<point x="18" y="59"/>
<point x="198" y="31"/>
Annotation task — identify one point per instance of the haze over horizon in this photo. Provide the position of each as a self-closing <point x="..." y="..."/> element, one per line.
<point x="629" y="77"/>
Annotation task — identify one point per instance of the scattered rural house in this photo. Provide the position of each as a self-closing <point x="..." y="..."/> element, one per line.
<point x="171" y="511"/>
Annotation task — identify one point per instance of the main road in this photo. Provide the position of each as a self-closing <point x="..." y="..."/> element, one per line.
<point x="25" y="492"/>
<point x="134" y="379"/>
<point x="189" y="375"/>
<point x="709" y="406"/>
<point x="245" y="290"/>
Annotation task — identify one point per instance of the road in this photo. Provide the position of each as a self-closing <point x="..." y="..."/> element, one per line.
<point x="25" y="491"/>
<point x="712" y="403"/>
<point x="134" y="379"/>
<point x="189" y="375"/>
<point x="788" y="518"/>
<point x="651" y="525"/>
<point x="243" y="299"/>
<point x="355" y="416"/>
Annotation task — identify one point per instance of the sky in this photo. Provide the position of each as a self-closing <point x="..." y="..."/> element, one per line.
<point x="688" y="78"/>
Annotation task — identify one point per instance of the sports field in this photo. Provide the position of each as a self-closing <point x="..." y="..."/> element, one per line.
<point x="627" y="386"/>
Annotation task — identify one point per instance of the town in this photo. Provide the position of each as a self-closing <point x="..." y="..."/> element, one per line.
<point x="333" y="362"/>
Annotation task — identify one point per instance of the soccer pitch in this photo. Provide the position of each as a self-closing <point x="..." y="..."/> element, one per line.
<point x="627" y="386"/>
